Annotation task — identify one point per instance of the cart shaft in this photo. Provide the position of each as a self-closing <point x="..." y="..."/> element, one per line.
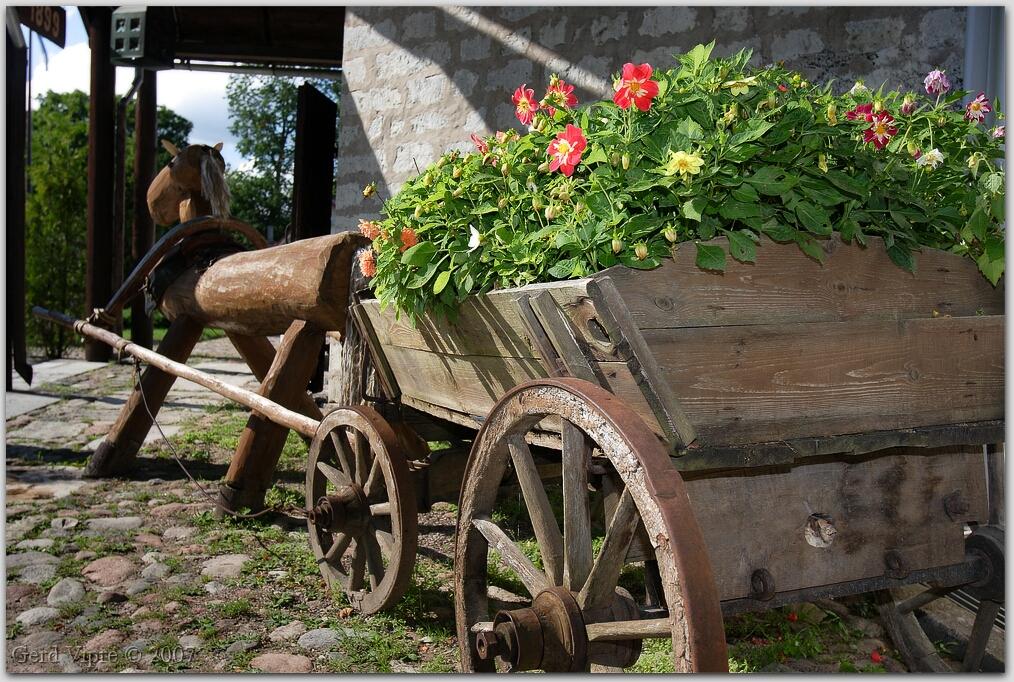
<point x="270" y="410"/>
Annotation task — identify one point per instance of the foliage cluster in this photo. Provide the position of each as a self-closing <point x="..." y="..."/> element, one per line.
<point x="57" y="201"/>
<point x="722" y="150"/>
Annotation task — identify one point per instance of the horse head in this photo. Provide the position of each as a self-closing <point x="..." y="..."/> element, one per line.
<point x="192" y="184"/>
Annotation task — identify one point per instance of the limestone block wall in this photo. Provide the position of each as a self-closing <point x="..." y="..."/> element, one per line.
<point x="419" y="80"/>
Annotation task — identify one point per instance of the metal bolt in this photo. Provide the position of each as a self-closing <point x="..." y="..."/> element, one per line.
<point x="487" y="645"/>
<point x="955" y="505"/>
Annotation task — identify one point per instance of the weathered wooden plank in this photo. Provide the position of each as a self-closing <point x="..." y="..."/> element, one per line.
<point x="785" y="285"/>
<point x="490" y="324"/>
<point x="471" y="385"/>
<point x="893" y="501"/>
<point x="752" y="384"/>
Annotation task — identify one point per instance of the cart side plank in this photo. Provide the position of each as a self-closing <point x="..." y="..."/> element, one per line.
<point x="893" y="501"/>
<point x="751" y="384"/>
<point x="787" y="286"/>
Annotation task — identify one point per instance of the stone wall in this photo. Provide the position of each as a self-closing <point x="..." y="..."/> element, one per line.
<point x="419" y="80"/>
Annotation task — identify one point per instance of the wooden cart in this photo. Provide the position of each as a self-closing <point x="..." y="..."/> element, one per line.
<point x="778" y="433"/>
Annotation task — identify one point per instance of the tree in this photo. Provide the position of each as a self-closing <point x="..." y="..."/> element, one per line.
<point x="57" y="203"/>
<point x="262" y="112"/>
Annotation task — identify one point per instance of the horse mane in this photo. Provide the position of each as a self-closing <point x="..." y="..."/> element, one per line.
<point x="213" y="185"/>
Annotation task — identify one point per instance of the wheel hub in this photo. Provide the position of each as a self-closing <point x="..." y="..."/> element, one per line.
<point x="550" y="635"/>
<point x="345" y="511"/>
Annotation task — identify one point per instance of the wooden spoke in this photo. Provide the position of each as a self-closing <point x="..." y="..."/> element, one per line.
<point x="656" y="628"/>
<point x="534" y="580"/>
<point x="547" y="530"/>
<point x="372" y="479"/>
<point x="336" y="477"/>
<point x="341" y="450"/>
<point x="576" y="513"/>
<point x="981" y="629"/>
<point x="374" y="560"/>
<point x="380" y="509"/>
<point x="337" y="548"/>
<point x="362" y="450"/>
<point x="923" y="598"/>
<point x="357" y="571"/>
<point x="385" y="539"/>
<point x="605" y="572"/>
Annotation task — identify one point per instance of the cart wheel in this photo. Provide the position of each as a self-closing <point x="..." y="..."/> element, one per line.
<point x="362" y="508"/>
<point x="899" y="614"/>
<point x="579" y="618"/>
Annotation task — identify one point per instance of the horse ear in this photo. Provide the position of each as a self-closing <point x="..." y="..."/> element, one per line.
<point x="218" y="147"/>
<point x="170" y="147"/>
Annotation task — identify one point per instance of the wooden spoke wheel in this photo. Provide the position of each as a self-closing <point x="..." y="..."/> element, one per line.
<point x="985" y="545"/>
<point x="362" y="508"/>
<point x="579" y="618"/>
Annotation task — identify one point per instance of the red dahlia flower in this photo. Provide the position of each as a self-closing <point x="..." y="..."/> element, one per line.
<point x="978" y="108"/>
<point x="369" y="229"/>
<point x="565" y="150"/>
<point x="525" y="105"/>
<point x="408" y="238"/>
<point x="880" y="132"/>
<point x="368" y="263"/>
<point x="559" y="93"/>
<point x="480" y="144"/>
<point x="635" y="87"/>
<point x="863" y="111"/>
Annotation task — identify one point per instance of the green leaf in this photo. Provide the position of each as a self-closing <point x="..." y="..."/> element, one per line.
<point x="902" y="257"/>
<point x="994" y="248"/>
<point x="847" y="183"/>
<point x="741" y="246"/>
<point x="696" y="57"/>
<point x="810" y="247"/>
<point x="745" y="193"/>
<point x="997" y="208"/>
<point x="485" y="208"/>
<point x="779" y="232"/>
<point x="563" y="269"/>
<point x="755" y="129"/>
<point x="693" y="209"/>
<point x="978" y="223"/>
<point x="419" y="254"/>
<point x="710" y="257"/>
<point x="597" y="155"/>
<point x="737" y="210"/>
<point x="772" y="181"/>
<point x="441" y="281"/>
<point x="690" y="129"/>
<point x="813" y="218"/>
<point x="992" y="269"/>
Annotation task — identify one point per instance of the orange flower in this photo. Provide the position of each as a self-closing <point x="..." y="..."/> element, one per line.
<point x="408" y="238"/>
<point x="368" y="263"/>
<point x="369" y="229"/>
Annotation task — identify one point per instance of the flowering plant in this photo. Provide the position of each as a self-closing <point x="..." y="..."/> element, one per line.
<point x="708" y="148"/>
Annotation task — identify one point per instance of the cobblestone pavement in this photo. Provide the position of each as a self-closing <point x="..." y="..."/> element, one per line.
<point x="135" y="574"/>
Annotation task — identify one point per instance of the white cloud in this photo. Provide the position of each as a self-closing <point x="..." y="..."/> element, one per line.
<point x="198" y="96"/>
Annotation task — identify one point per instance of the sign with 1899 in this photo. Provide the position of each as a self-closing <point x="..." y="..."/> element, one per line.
<point x="49" y="21"/>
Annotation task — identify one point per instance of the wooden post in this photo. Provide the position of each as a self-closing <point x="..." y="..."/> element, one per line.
<point x="101" y="119"/>
<point x="253" y="466"/>
<point x="143" y="228"/>
<point x="116" y="453"/>
<point x="258" y="353"/>
<point x="15" y="227"/>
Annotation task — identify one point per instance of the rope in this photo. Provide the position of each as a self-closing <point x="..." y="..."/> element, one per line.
<point x="288" y="509"/>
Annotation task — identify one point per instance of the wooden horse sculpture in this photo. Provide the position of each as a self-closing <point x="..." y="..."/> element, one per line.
<point x="192" y="185"/>
<point x="203" y="279"/>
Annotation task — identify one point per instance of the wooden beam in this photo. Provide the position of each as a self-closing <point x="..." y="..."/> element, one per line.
<point x="252" y="469"/>
<point x="143" y="227"/>
<point x="101" y="121"/>
<point x="115" y="455"/>
<point x="15" y="228"/>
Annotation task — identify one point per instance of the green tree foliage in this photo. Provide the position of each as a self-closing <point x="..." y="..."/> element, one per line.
<point x="262" y="112"/>
<point x="57" y="202"/>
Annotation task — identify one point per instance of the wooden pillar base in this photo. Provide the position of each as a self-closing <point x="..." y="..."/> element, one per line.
<point x="252" y="469"/>
<point x="115" y="456"/>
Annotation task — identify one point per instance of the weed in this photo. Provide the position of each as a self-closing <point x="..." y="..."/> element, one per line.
<point x="236" y="608"/>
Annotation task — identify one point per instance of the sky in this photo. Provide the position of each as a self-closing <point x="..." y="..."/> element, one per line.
<point x="198" y="96"/>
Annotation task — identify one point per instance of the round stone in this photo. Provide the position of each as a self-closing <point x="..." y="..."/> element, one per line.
<point x="67" y="591"/>
<point x="38" y="615"/>
<point x="225" y="566"/>
<point x="156" y="571"/>
<point x="319" y="639"/>
<point x="63" y="523"/>
<point x="116" y="523"/>
<point x="281" y="663"/>
<point x="38" y="543"/>
<point x="37" y="574"/>
<point x="287" y="632"/>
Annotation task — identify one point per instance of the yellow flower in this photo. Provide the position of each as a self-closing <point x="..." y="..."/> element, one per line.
<point x="683" y="163"/>
<point x="369" y="190"/>
<point x="822" y="162"/>
<point x="832" y="114"/>
<point x="740" y="86"/>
